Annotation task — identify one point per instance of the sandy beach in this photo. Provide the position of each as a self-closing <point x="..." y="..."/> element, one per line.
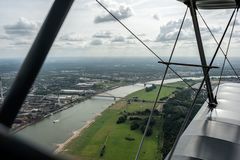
<point x="77" y="133"/>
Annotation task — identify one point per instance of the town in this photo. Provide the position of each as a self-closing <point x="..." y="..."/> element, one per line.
<point x="58" y="88"/>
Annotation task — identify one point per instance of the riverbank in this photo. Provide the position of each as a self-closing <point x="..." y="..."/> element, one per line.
<point x="63" y="107"/>
<point x="72" y="104"/>
<point x="48" y="134"/>
<point x="77" y="133"/>
<point x="88" y="143"/>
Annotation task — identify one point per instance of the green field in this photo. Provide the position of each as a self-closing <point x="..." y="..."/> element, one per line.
<point x="106" y="131"/>
<point x="166" y="91"/>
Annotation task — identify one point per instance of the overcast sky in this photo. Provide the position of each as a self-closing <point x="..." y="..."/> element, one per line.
<point x="89" y="31"/>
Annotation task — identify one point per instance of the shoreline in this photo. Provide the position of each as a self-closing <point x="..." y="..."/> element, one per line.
<point x="73" y="103"/>
<point x="60" y="147"/>
<point x="64" y="107"/>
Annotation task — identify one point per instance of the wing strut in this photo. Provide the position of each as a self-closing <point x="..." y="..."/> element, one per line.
<point x="192" y="7"/>
<point x="34" y="61"/>
<point x="212" y="101"/>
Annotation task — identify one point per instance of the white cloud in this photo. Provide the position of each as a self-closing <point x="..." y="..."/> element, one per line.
<point x="237" y="22"/>
<point x="21" y="43"/>
<point x="169" y="31"/>
<point x="71" y="37"/>
<point x="121" y="11"/>
<point x="96" y="42"/>
<point x="138" y="35"/>
<point x="118" y="39"/>
<point x="131" y="37"/>
<point x="214" y="29"/>
<point x="5" y="37"/>
<point x="81" y="33"/>
<point x="103" y="34"/>
<point x="22" y="27"/>
<point x="130" y="41"/>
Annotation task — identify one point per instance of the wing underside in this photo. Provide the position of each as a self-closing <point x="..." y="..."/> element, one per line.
<point x="214" y="4"/>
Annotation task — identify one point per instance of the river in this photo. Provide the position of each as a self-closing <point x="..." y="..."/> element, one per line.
<point x="48" y="134"/>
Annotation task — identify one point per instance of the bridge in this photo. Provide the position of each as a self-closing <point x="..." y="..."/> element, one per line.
<point x="109" y="96"/>
<point x="133" y="99"/>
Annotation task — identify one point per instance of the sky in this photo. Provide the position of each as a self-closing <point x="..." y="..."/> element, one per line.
<point x="89" y="31"/>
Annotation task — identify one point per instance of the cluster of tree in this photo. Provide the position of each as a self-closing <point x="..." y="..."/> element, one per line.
<point x="139" y="120"/>
<point x="149" y="131"/>
<point x="134" y="125"/>
<point x="164" y="98"/>
<point x="142" y="125"/>
<point x="143" y="113"/>
<point x="150" y="88"/>
<point x="175" y="110"/>
<point x="128" y="138"/>
<point x="121" y="119"/>
<point x="98" y="86"/>
<point x="134" y="118"/>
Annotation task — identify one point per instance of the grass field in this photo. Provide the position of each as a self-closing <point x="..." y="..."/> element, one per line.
<point x="142" y="94"/>
<point x="106" y="131"/>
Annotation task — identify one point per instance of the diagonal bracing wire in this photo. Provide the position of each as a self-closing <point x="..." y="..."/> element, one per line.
<point x="223" y="65"/>
<point x="144" y="44"/>
<point x="190" y="110"/>
<point x="160" y="88"/>
<point x="217" y="44"/>
<point x="220" y="42"/>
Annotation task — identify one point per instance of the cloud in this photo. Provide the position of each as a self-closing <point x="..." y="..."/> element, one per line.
<point x="96" y="42"/>
<point x="131" y="37"/>
<point x="130" y="41"/>
<point x="21" y="43"/>
<point x="71" y="37"/>
<point x="22" y="27"/>
<point x="169" y="31"/>
<point x="138" y="35"/>
<point x="118" y="39"/>
<point x="5" y="37"/>
<point x="103" y="34"/>
<point x="156" y="17"/>
<point x="214" y="30"/>
<point x="141" y="35"/>
<point x="121" y="11"/>
<point x="237" y="23"/>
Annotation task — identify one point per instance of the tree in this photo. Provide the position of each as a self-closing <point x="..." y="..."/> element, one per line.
<point x="149" y="131"/>
<point x="152" y="122"/>
<point x="121" y="119"/>
<point x="134" y="125"/>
